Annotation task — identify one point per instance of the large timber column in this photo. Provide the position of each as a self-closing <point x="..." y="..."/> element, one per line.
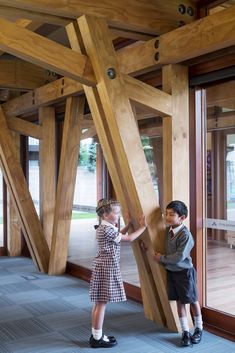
<point x="47" y="170"/>
<point x="176" y="135"/>
<point x="20" y="194"/>
<point x="14" y="242"/>
<point x="66" y="183"/>
<point x="176" y="139"/>
<point x="120" y="140"/>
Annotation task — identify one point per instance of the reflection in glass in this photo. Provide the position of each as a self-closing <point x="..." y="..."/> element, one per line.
<point x="1" y="209"/>
<point x="33" y="156"/>
<point x="220" y="200"/>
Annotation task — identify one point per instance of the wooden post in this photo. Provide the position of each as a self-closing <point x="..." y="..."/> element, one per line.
<point x="126" y="162"/>
<point x="20" y="194"/>
<point x="47" y="170"/>
<point x="13" y="224"/>
<point x="66" y="183"/>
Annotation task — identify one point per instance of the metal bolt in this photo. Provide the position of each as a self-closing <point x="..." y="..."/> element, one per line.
<point x="190" y="11"/>
<point x="181" y="23"/>
<point x="182" y="9"/>
<point x="54" y="74"/>
<point x="111" y="73"/>
<point x="157" y="56"/>
<point x="48" y="72"/>
<point x="156" y="44"/>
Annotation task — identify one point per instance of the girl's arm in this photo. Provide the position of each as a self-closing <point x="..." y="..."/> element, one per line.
<point x="138" y="232"/>
<point x="129" y="223"/>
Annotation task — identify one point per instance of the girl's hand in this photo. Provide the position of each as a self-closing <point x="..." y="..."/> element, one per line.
<point x="128" y="218"/>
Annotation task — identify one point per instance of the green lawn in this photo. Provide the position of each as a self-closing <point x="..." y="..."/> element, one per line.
<point x="83" y="215"/>
<point x="76" y="215"/>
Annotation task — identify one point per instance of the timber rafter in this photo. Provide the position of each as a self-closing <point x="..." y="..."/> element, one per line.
<point x="153" y="17"/>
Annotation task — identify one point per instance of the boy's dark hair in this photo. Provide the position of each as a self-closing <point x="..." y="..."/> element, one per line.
<point x="179" y="207"/>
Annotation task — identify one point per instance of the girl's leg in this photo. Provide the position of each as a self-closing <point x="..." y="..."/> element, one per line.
<point x="97" y="339"/>
<point x="98" y="313"/>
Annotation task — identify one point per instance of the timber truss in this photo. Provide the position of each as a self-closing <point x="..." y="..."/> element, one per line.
<point x="92" y="68"/>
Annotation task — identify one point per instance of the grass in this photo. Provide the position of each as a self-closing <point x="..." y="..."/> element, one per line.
<point x="75" y="215"/>
<point x="83" y="215"/>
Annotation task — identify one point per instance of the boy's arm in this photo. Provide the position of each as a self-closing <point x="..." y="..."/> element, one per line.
<point x="183" y="250"/>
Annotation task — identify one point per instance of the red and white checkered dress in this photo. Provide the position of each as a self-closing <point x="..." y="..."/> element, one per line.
<point x="106" y="281"/>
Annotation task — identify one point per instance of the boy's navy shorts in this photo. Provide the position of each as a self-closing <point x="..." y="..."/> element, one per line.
<point x="182" y="285"/>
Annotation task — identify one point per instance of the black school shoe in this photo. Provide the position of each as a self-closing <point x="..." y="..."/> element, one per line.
<point x="101" y="343"/>
<point x="186" y="339"/>
<point x="196" y="336"/>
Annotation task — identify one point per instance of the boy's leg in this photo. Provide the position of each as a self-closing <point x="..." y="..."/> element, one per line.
<point x="186" y="337"/>
<point x="198" y="324"/>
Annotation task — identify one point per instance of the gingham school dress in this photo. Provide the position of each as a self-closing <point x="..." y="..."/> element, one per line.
<point x="106" y="281"/>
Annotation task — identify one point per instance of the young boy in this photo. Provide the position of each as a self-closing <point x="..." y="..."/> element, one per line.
<point x="181" y="275"/>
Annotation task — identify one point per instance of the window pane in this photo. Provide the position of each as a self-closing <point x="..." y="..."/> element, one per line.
<point x="1" y="209"/>
<point x="220" y="196"/>
<point x="34" y="171"/>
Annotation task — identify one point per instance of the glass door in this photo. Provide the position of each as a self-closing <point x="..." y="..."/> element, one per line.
<point x="219" y="158"/>
<point x="1" y="210"/>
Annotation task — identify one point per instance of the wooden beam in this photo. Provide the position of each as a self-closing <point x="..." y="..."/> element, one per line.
<point x="66" y="184"/>
<point x="20" y="194"/>
<point x="46" y="95"/>
<point x="21" y="75"/>
<point x="32" y="26"/>
<point x="227" y="122"/>
<point x="145" y="17"/>
<point x="91" y="132"/>
<point x="20" y="42"/>
<point x="25" y="128"/>
<point x="221" y="95"/>
<point x="132" y="59"/>
<point x="13" y="14"/>
<point x="149" y="96"/>
<point x="203" y="36"/>
<point x="130" y="163"/>
<point x="47" y="160"/>
<point x="206" y="35"/>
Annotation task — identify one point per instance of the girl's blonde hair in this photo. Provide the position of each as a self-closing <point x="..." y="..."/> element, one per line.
<point x="105" y="206"/>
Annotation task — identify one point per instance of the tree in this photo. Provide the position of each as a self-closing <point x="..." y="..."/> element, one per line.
<point x="91" y="163"/>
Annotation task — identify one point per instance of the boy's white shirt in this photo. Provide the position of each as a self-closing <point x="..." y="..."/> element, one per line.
<point x="119" y="237"/>
<point x="177" y="229"/>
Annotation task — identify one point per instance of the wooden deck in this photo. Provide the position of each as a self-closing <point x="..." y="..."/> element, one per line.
<point x="220" y="265"/>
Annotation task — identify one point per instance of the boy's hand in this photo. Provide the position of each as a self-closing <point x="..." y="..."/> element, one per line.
<point x="157" y="256"/>
<point x="143" y="245"/>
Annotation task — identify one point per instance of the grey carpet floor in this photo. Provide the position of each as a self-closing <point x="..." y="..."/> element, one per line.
<point x="52" y="314"/>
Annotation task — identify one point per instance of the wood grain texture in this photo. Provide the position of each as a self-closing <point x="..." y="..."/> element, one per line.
<point x="43" y="52"/>
<point x="66" y="183"/>
<point x="145" y="17"/>
<point x="20" y="194"/>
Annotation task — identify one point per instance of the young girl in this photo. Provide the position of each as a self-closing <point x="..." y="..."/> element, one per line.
<point x="106" y="281"/>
